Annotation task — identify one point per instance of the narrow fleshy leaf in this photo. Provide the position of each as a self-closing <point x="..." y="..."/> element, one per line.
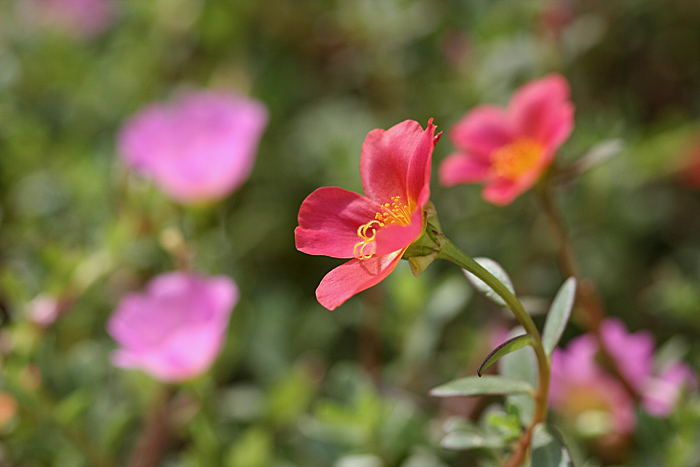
<point x="511" y="345"/>
<point x="548" y="450"/>
<point x="521" y="365"/>
<point x="484" y="385"/>
<point x="558" y="315"/>
<point x="471" y="440"/>
<point x="595" y="156"/>
<point x="498" y="272"/>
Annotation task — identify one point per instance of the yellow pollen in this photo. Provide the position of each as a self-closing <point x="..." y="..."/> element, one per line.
<point x="513" y="160"/>
<point x="392" y="213"/>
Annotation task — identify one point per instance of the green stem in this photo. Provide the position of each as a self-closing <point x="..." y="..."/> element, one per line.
<point x="451" y="253"/>
<point x="587" y="294"/>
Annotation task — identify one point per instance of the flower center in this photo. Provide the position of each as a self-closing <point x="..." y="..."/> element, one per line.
<point x="392" y="213"/>
<point x="514" y="159"/>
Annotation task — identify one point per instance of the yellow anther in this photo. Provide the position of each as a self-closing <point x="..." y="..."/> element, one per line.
<point x="395" y="212"/>
<point x="392" y="213"/>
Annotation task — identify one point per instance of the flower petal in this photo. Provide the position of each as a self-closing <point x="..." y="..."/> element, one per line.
<point x="541" y="110"/>
<point x="328" y="222"/>
<point x="461" y="168"/>
<point x="420" y="166"/>
<point x="396" y="237"/>
<point x="503" y="191"/>
<point x="633" y="352"/>
<point x="396" y="162"/>
<point x="354" y="276"/>
<point x="661" y="393"/>
<point x="197" y="148"/>
<point x="481" y="131"/>
<point x="176" y="328"/>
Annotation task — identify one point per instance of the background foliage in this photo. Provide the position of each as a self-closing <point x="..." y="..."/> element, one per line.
<point x="297" y="385"/>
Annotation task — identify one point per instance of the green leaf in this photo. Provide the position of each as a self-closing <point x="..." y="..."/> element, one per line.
<point x="511" y="345"/>
<point x="521" y="365"/>
<point x="476" y="386"/>
<point x="498" y="272"/>
<point x="558" y="315"/>
<point x="548" y="450"/>
<point x="472" y="440"/>
<point x="505" y="424"/>
<point x="595" y="156"/>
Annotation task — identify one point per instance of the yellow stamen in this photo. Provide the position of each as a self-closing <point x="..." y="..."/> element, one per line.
<point x="367" y="240"/>
<point x="392" y="213"/>
<point x="515" y="159"/>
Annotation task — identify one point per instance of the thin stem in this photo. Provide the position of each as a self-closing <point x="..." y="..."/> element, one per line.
<point x="153" y="437"/>
<point x="586" y="293"/>
<point x="451" y="253"/>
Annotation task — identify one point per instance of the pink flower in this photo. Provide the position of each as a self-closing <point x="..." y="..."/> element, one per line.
<point x="374" y="230"/>
<point x="580" y="384"/>
<point x="199" y="148"/>
<point x="579" y="387"/>
<point x="632" y="352"/>
<point x="82" y="18"/>
<point x="174" y="330"/>
<point x="45" y="309"/>
<point x="508" y="149"/>
<point x="662" y="392"/>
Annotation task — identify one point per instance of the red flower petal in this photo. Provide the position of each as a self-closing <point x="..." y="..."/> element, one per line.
<point x="396" y="162"/>
<point x="396" y="237"/>
<point x="481" y="131"/>
<point x="458" y="168"/>
<point x="502" y="191"/>
<point x="542" y="111"/>
<point x="328" y="222"/>
<point x="354" y="276"/>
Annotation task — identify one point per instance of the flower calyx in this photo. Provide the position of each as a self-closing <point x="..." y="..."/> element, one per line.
<point x="425" y="250"/>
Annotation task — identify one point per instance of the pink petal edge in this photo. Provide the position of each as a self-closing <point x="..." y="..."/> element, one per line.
<point x="353" y="277"/>
<point x="457" y="169"/>
<point x="328" y="221"/>
<point x="386" y="158"/>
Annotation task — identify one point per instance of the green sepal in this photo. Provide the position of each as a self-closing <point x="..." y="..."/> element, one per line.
<point x="425" y="250"/>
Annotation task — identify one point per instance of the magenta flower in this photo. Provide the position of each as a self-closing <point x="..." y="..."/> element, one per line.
<point x="579" y="387"/>
<point x="662" y="392"/>
<point x="374" y="230"/>
<point x="634" y="356"/>
<point x="508" y="149"/>
<point x="81" y="18"/>
<point x="197" y="149"/>
<point x="175" y="330"/>
<point x="579" y="384"/>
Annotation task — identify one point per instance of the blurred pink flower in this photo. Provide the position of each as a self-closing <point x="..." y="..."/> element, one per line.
<point x="45" y="309"/>
<point x="508" y="149"/>
<point x="82" y="18"/>
<point x="376" y="229"/>
<point x="662" y="392"/>
<point x="175" y="330"/>
<point x="198" y="148"/>
<point x="579" y="384"/>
